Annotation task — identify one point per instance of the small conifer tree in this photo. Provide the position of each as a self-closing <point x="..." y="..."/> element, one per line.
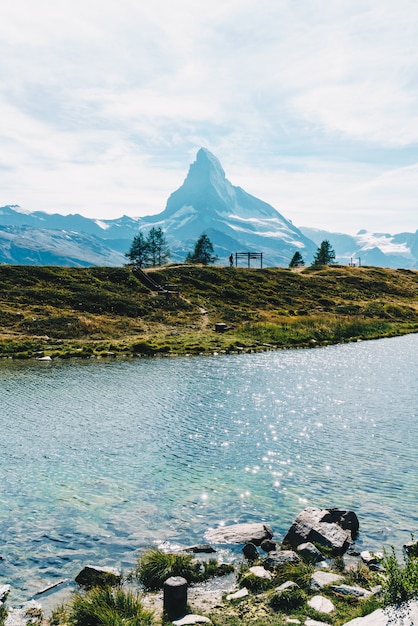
<point x="203" y="252"/>
<point x="325" y="254"/>
<point x="296" y="260"/>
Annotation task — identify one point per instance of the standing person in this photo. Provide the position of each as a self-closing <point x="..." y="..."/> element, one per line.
<point x="231" y="259"/>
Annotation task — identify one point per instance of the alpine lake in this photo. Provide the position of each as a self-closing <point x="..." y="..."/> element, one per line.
<point x="101" y="459"/>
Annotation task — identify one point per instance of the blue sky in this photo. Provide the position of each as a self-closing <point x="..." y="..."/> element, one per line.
<point x="310" y="105"/>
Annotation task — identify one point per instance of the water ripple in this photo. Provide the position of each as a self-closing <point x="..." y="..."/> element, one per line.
<point x="99" y="460"/>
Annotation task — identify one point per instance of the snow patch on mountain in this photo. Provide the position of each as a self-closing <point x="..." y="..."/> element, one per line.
<point x="383" y="241"/>
<point x="102" y="224"/>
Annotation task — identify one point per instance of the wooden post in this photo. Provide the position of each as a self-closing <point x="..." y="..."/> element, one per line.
<point x="175" y="597"/>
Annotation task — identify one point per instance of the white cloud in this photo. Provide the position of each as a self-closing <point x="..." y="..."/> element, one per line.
<point x="310" y="105"/>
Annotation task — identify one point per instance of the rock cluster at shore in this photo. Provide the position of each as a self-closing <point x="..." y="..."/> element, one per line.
<point x="314" y="535"/>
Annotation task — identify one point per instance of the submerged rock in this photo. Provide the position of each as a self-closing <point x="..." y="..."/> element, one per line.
<point x="254" y="533"/>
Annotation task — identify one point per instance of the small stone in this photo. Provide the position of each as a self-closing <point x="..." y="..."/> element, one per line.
<point x="191" y="619"/>
<point x="250" y="552"/>
<point x="370" y="558"/>
<point x="201" y="548"/>
<point x="268" y="545"/>
<point x="321" y="604"/>
<point x="260" y="572"/>
<point x="289" y="584"/>
<point x="4" y="592"/>
<point x="281" y="557"/>
<point x="351" y="590"/>
<point x="411" y="548"/>
<point x="92" y="576"/>
<point x="321" y="579"/>
<point x="309" y="552"/>
<point x="238" y="595"/>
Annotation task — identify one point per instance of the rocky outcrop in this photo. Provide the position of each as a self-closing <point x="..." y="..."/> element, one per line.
<point x="240" y="533"/>
<point x="333" y="529"/>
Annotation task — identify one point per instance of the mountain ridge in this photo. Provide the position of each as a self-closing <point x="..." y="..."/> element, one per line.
<point x="205" y="202"/>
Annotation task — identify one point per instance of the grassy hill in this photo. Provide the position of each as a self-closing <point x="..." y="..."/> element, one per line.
<point x="65" y="312"/>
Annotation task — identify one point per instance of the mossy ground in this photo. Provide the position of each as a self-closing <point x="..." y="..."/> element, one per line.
<point x="72" y="312"/>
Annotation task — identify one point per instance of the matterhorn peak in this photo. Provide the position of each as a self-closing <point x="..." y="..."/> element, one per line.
<point x="207" y="161"/>
<point x="206" y="172"/>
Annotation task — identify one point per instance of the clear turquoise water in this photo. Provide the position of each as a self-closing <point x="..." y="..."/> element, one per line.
<point x="99" y="460"/>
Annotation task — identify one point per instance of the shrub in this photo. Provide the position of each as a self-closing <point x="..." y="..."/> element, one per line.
<point x="105" y="607"/>
<point x="401" y="579"/>
<point x="3" y="614"/>
<point x="155" y="566"/>
<point x="300" y="573"/>
<point x="287" y="600"/>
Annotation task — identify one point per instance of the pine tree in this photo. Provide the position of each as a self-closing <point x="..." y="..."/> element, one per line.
<point x="158" y="249"/>
<point x="325" y="254"/>
<point x="203" y="252"/>
<point x="138" y="252"/>
<point x="296" y="260"/>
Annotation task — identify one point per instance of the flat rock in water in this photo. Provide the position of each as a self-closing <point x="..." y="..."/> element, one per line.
<point x="240" y="533"/>
<point x="200" y="548"/>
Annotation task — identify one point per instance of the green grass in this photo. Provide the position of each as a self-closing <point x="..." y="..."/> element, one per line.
<point x="155" y="566"/>
<point x="61" y="310"/>
<point x="104" y="607"/>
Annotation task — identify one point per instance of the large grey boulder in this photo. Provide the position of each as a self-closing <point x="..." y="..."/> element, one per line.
<point x="334" y="529"/>
<point x="240" y="533"/>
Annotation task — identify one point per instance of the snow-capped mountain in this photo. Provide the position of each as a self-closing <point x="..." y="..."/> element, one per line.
<point x="206" y="202"/>
<point x="233" y="219"/>
<point x="365" y="248"/>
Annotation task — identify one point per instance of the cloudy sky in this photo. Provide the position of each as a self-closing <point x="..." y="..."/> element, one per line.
<point x="311" y="105"/>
